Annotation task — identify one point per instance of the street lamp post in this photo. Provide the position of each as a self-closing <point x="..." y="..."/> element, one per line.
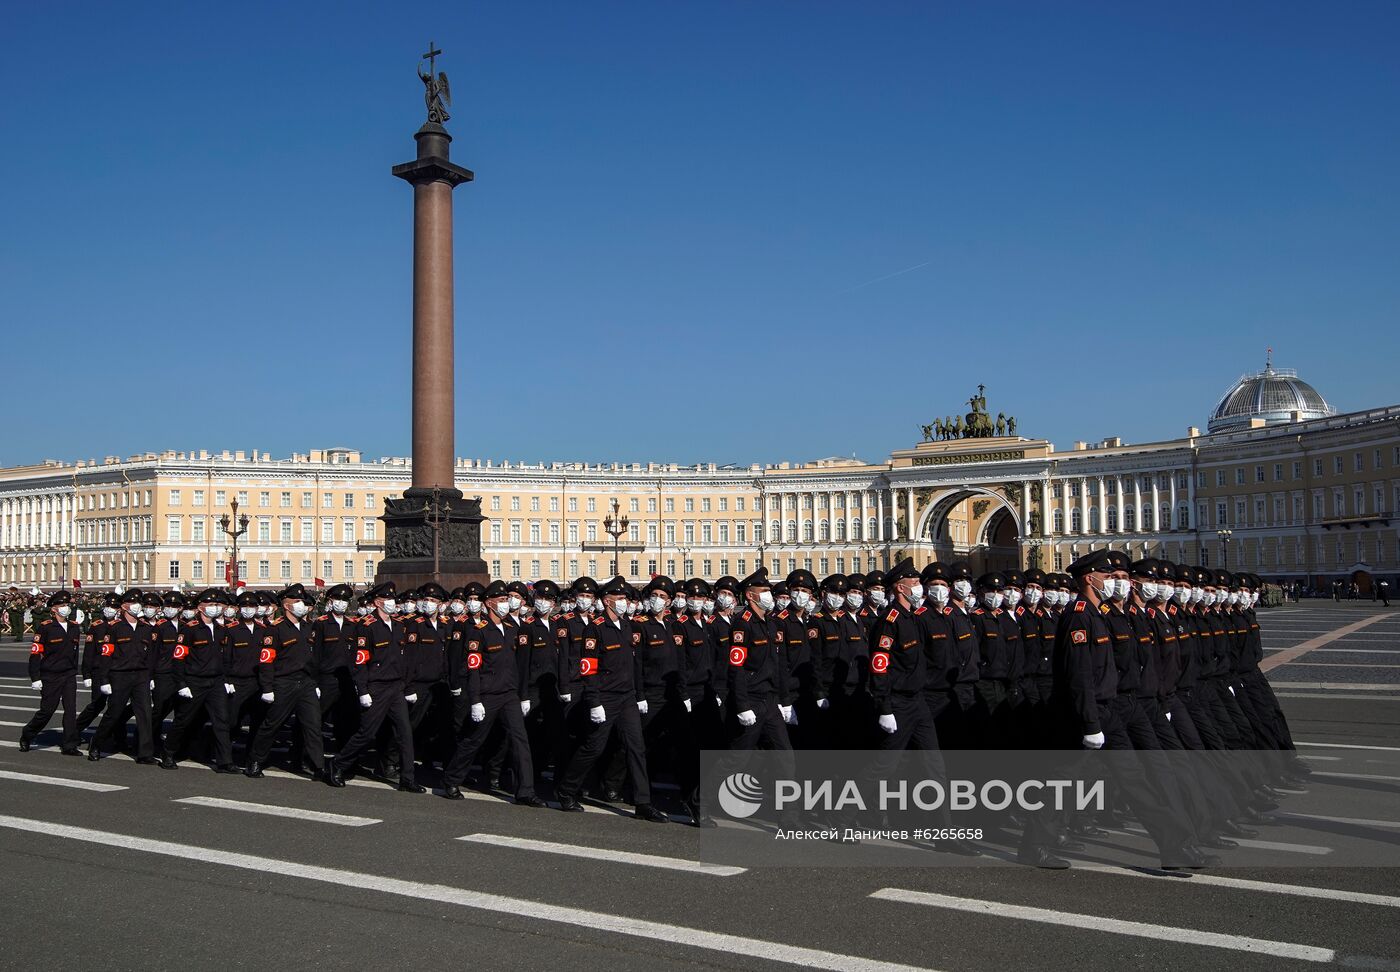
<point x="1224" y="536"/>
<point x="615" y="526"/>
<point x="234" y="527"/>
<point x="685" y="557"/>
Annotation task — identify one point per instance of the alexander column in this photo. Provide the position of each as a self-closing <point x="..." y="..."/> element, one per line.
<point x="432" y="533"/>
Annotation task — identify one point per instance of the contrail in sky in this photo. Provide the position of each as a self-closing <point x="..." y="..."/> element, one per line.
<point x="887" y="276"/>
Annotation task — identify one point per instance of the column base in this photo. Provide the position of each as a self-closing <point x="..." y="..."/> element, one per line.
<point x="423" y="517"/>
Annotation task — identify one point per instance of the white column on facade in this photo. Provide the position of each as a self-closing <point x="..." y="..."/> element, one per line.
<point x="879" y="514"/>
<point x="1191" y="501"/>
<point x="1083" y="504"/>
<point x="1103" y="507"/>
<point x="1065" y="506"/>
<point x="1139" y="523"/>
<point x="911" y="531"/>
<point x="1171" y="498"/>
<point x="1156" y="502"/>
<point x="1045" y="508"/>
<point x="1118" y="499"/>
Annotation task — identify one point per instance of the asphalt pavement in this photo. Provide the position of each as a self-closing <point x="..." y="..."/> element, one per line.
<point x="113" y="865"/>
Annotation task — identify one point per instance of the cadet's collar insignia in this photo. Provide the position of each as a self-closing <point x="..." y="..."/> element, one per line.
<point x="893" y="615"/>
<point x="783" y="614"/>
<point x="1080" y="605"/>
<point x="748" y="615"/>
<point x="1103" y="608"/>
<point x="1020" y="610"/>
<point x="948" y="610"/>
<point x="921" y="609"/>
<point x="682" y="618"/>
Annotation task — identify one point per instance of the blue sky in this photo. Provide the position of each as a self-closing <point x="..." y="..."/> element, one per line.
<point x="685" y="238"/>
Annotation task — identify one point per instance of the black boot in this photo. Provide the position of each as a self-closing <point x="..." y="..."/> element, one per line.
<point x="569" y="804"/>
<point x="647" y="812"/>
<point x="24" y="744"/>
<point x="93" y="755"/>
<point x="254" y="770"/>
<point x="451" y="792"/>
<point x="225" y="768"/>
<point x="1041" y="857"/>
<point x="408" y="786"/>
<point x="530" y="801"/>
<point x="167" y="762"/>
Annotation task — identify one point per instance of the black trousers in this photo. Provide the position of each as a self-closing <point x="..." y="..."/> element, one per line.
<point x="914" y="725"/>
<point x="992" y="716"/>
<point x="133" y="688"/>
<point x="245" y="704"/>
<point x="431" y="715"/>
<point x="502" y="709"/>
<point x="622" y="718"/>
<point x="162" y="702"/>
<point x="544" y="725"/>
<point x="768" y="731"/>
<point x="386" y="704"/>
<point x="1165" y="822"/>
<point x="292" y="695"/>
<point x="207" y="696"/>
<point x="57" y="689"/>
<point x="339" y="705"/>
<point x="670" y="745"/>
<point x="96" y="703"/>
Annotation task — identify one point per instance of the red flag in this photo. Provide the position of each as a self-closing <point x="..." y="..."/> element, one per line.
<point x="320" y="583"/>
<point x="77" y="583"/>
<point x="228" y="573"/>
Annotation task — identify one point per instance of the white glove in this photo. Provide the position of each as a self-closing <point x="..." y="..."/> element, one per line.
<point x="1169" y="716"/>
<point x="788" y="715"/>
<point x="566" y="697"/>
<point x="747" y="718"/>
<point x="228" y="687"/>
<point x="687" y="705"/>
<point x="366" y="701"/>
<point x="597" y="716"/>
<point x="153" y="685"/>
<point x="719" y="701"/>
<point x="411" y="698"/>
<point x="185" y="693"/>
<point x="1093" y="742"/>
<point x="823" y="703"/>
<point x="106" y="690"/>
<point x="1231" y="688"/>
<point x="888" y="723"/>
<point x="524" y="707"/>
<point x="456" y="693"/>
<point x="478" y="712"/>
<point x="318" y="693"/>
<point x="87" y="683"/>
<point x="268" y="696"/>
<point x="36" y="685"/>
<point x="642" y="706"/>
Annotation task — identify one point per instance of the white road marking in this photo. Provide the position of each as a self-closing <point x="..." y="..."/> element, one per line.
<point x="18" y="724"/>
<point x="60" y="781"/>
<point x="18" y="708"/>
<point x="515" y="908"/>
<point x="1272" y="845"/>
<point x="1324" y="745"/>
<point x="28" y="697"/>
<point x="1359" y="821"/>
<point x="604" y="854"/>
<point x="1116" y="926"/>
<point x="1357" y="776"/>
<point x="295" y="813"/>
<point x="1242" y="884"/>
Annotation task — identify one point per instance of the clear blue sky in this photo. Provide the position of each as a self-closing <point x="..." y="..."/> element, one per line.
<point x="692" y="215"/>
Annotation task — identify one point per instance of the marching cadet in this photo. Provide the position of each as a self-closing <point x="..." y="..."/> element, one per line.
<point x="799" y="637"/>
<point x="288" y="683"/>
<point x="703" y="701"/>
<point x="873" y="588"/>
<point x="899" y="660"/>
<point x="486" y="682"/>
<point x="123" y="674"/>
<point x="954" y="587"/>
<point x="167" y="625"/>
<point x="1038" y="650"/>
<point x="540" y="702"/>
<point x="383" y="670"/>
<point x="758" y="699"/>
<point x="568" y="634"/>
<point x="53" y="671"/>
<point x="243" y="643"/>
<point x="197" y="666"/>
<point x="430" y="705"/>
<point x="611" y="693"/>
<point x="92" y="645"/>
<point x="841" y="656"/>
<point x="333" y="636"/>
<point x="998" y="645"/>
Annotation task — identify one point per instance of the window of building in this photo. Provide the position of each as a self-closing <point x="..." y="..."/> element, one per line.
<point x="174" y="570"/>
<point x="174" y="497"/>
<point x="534" y="504"/>
<point x="349" y="570"/>
<point x="327" y="530"/>
<point x="591" y="531"/>
<point x="573" y="504"/>
<point x="592" y="505"/>
<point x="349" y="501"/>
<point x="554" y="504"/>
<point x="515" y="533"/>
<point x="554" y="570"/>
<point x="496" y="503"/>
<point x="264" y="570"/>
<point x="1337" y="465"/>
<point x="307" y="530"/>
<point x="515" y="504"/>
<point x="1239" y="476"/>
<point x="1057" y="520"/>
<point x="1076" y="523"/>
<point x="197" y="570"/>
<point x="264" y="498"/>
<point x="347" y="530"/>
<point x="286" y="531"/>
<point x="172" y="529"/>
<point x="1360" y="465"/>
<point x="740" y="532"/>
<point x="264" y="530"/>
<point x="689" y="505"/>
<point x="1113" y="518"/>
<point x="1221" y="514"/>
<point x="1297" y="470"/>
<point x="496" y="532"/>
<point x="197" y="529"/>
<point x="306" y="501"/>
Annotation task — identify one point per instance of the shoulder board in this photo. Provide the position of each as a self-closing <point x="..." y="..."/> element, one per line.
<point x="568" y="616"/>
<point x="818" y="614"/>
<point x="1132" y="609"/>
<point x="893" y="615"/>
<point x="1080" y="605"/>
<point x="921" y="609"/>
<point x="599" y="619"/>
<point x="323" y="617"/>
<point x="1151" y="612"/>
<point x="1103" y="608"/>
<point x="481" y="624"/>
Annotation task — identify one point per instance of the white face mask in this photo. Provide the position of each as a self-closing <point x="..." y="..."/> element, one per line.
<point x="133" y="609"/>
<point x="916" y="594"/>
<point x="833" y="601"/>
<point x="110" y="612"/>
<point x="801" y="600"/>
<point x="1198" y="596"/>
<point x="262" y="610"/>
<point x="1181" y="595"/>
<point x="962" y="588"/>
<point x="1012" y="598"/>
<point x="696" y="605"/>
<point x="515" y="602"/>
<point x="63" y="611"/>
<point x="300" y="608"/>
<point x="339" y="607"/>
<point x="622" y="607"/>
<point x="782" y="602"/>
<point x="766" y="601"/>
<point x="170" y="613"/>
<point x="248" y="613"/>
<point x="390" y="605"/>
<point x="854" y="599"/>
<point x="939" y="594"/>
<point x="188" y="614"/>
<point x="585" y="602"/>
<point x="230" y="612"/>
<point x="430" y="607"/>
<point x="877" y="598"/>
<point x="633" y="607"/>
<point x="212" y="611"/>
<point x="678" y="603"/>
<point x="1149" y="591"/>
<point x="150" y="611"/>
<point x="725" y="601"/>
<point x="1033" y="596"/>
<point x="473" y="605"/>
<point x="1121" y="588"/>
<point x="991" y="600"/>
<point x="659" y="603"/>
<point x="543" y="606"/>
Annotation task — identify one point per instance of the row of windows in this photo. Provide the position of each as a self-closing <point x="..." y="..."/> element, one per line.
<point x="1275" y="471"/>
<point x="633" y="504"/>
<point x="284" y="499"/>
<point x="673" y="567"/>
<point x="1163" y="522"/>
<point x="261" y="530"/>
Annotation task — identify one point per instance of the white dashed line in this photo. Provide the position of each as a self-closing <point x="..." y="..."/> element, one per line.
<point x="604" y="854"/>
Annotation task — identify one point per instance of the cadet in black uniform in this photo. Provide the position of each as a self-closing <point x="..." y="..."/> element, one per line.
<point x="899" y="664"/>
<point x="841" y="660"/>
<point x="333" y="635"/>
<point x="799" y="635"/>
<point x="53" y="670"/>
<point x="167" y="625"/>
<point x="759" y="705"/>
<point x="546" y="640"/>
<point x="288" y="682"/>
<point x="488" y="678"/>
<point x="123" y="674"/>
<point x="607" y="670"/>
<point x="92" y="645"/>
<point x="430" y="704"/>
<point x="243" y="644"/>
<point x="998" y="647"/>
<point x="382" y="672"/>
<point x="197" y="666"/>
